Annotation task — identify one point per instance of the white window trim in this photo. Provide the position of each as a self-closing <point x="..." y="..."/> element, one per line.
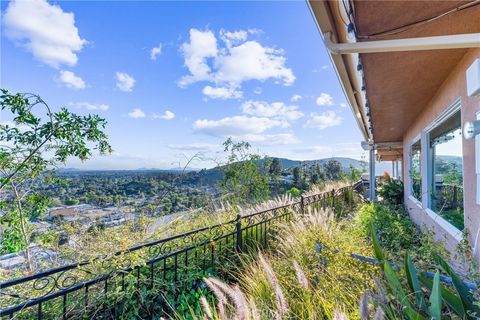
<point x="417" y="202"/>
<point x="450" y="111"/>
<point x="445" y="225"/>
<point x="426" y="176"/>
<point x="409" y="167"/>
<point x="477" y="161"/>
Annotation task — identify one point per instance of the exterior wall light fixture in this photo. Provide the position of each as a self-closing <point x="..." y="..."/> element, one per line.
<point x="471" y="129"/>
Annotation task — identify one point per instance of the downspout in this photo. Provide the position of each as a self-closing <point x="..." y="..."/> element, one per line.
<point x="456" y="41"/>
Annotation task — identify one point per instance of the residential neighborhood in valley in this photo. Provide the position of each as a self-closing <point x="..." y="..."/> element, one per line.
<point x="313" y="159"/>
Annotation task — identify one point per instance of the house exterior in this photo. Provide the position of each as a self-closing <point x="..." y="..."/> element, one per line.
<point x="410" y="71"/>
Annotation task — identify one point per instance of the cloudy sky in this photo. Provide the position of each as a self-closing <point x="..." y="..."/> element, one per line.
<point x="174" y="79"/>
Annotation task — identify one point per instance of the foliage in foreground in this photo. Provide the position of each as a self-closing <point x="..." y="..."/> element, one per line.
<point x="246" y="174"/>
<point x="391" y="190"/>
<point x="413" y="295"/>
<point x="36" y="140"/>
<point x="398" y="234"/>
<point x="308" y="274"/>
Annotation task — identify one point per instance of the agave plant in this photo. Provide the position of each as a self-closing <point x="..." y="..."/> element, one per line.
<point x="417" y="296"/>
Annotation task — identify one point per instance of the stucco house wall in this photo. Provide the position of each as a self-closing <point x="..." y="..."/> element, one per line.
<point x="453" y="88"/>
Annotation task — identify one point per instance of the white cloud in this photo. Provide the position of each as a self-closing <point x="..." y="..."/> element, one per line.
<point x="324" y="99"/>
<point x="89" y="106"/>
<point x="202" y="45"/>
<point x="343" y="105"/>
<point x="155" y="52"/>
<point x="167" y="115"/>
<point x="237" y="125"/>
<point x="45" y="30"/>
<point x="193" y="147"/>
<point x="136" y="113"/>
<point x="222" y="92"/>
<point x="238" y="60"/>
<point x="125" y="82"/>
<point x="275" y="110"/>
<point x="251" y="61"/>
<point x="324" y="120"/>
<point x="257" y="90"/>
<point x="342" y="149"/>
<point x="314" y="149"/>
<point x="233" y="37"/>
<point x="296" y="97"/>
<point x="270" y="139"/>
<point x="324" y="67"/>
<point x="70" y="80"/>
<point x="120" y="161"/>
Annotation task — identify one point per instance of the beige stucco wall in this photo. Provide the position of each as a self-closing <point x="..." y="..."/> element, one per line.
<point x="454" y="87"/>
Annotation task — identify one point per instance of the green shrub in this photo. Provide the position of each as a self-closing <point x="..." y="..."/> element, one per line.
<point x="397" y="233"/>
<point x="391" y="191"/>
<point x="413" y="295"/>
<point x="294" y="192"/>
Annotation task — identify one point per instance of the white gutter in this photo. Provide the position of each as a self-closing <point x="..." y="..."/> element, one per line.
<point x="457" y="41"/>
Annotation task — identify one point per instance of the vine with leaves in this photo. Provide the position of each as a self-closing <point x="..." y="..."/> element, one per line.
<point x="32" y="145"/>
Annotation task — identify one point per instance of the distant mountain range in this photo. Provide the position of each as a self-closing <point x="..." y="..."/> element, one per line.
<point x="286" y="164"/>
<point x="346" y="163"/>
<point x="452" y="159"/>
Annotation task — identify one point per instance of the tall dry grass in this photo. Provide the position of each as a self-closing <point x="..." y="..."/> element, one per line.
<point x="307" y="274"/>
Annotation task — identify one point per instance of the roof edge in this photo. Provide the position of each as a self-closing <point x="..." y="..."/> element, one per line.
<point x="343" y="65"/>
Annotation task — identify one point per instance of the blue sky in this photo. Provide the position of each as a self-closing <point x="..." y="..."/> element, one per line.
<point x="176" y="78"/>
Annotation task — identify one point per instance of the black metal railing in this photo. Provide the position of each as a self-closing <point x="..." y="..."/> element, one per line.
<point x="146" y="280"/>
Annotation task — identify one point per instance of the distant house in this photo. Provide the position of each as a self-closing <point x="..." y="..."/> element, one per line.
<point x="287" y="179"/>
<point x="67" y="211"/>
<point x="410" y="71"/>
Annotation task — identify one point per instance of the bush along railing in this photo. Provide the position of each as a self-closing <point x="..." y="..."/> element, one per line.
<point x="151" y="279"/>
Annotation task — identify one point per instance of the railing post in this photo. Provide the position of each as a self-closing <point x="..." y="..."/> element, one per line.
<point x="302" y="205"/>
<point x="455" y="197"/>
<point x="238" y="227"/>
<point x="333" y="200"/>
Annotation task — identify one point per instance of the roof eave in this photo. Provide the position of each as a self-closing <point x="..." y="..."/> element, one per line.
<point x="344" y="65"/>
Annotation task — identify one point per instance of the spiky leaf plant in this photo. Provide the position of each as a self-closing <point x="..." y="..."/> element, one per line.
<point x="409" y="291"/>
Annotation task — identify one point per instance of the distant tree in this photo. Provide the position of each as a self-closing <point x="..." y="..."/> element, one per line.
<point x="36" y="141"/>
<point x="294" y="192"/>
<point x="355" y="174"/>
<point x="246" y="177"/>
<point x="71" y="201"/>
<point x="297" y="176"/>
<point x="316" y="174"/>
<point x="275" y="168"/>
<point x="333" y="169"/>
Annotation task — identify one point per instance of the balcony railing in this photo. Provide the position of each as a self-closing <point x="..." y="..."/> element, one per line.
<point x="149" y="273"/>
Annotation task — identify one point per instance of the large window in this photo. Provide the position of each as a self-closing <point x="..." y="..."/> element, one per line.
<point x="415" y="170"/>
<point x="446" y="170"/>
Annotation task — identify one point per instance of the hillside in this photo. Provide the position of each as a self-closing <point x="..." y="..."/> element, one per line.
<point x="344" y="162"/>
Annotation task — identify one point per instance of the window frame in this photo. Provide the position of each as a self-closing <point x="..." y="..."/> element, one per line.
<point x="416" y="139"/>
<point x="454" y="107"/>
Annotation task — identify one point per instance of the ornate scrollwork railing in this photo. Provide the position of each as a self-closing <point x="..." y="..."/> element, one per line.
<point x="164" y="258"/>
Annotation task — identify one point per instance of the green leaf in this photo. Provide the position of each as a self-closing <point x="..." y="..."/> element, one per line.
<point x="399" y="294"/>
<point x="450" y="298"/>
<point x="435" y="308"/>
<point x="412" y="278"/>
<point x="376" y="246"/>
<point x="412" y="314"/>
<point x="395" y="285"/>
<point x="460" y="287"/>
